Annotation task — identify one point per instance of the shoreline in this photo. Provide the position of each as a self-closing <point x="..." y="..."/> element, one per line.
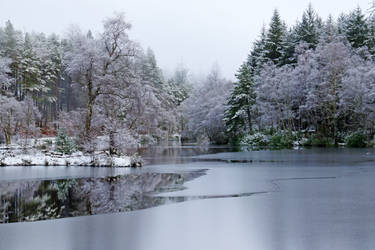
<point x="12" y="158"/>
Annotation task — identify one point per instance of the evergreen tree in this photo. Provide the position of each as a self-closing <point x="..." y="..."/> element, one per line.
<point x="341" y="24"/>
<point x="371" y="34"/>
<point x="257" y="56"/>
<point x="178" y="86"/>
<point x="289" y="47"/>
<point x="308" y="30"/>
<point x="275" y="38"/>
<point x="10" y="41"/>
<point x="10" y="46"/>
<point x="240" y="112"/>
<point x="329" y="31"/>
<point x="30" y="68"/>
<point x="151" y="73"/>
<point x="64" y="144"/>
<point x="356" y="29"/>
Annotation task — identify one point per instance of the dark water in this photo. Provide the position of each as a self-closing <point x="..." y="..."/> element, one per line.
<point x="176" y="154"/>
<point x="273" y="200"/>
<point x="33" y="200"/>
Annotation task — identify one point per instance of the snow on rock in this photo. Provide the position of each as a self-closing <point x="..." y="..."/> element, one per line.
<point x="76" y="159"/>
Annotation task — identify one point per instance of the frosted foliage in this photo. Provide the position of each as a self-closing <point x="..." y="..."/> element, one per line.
<point x="5" y="80"/>
<point x="17" y="117"/>
<point x="92" y="84"/>
<point x="331" y="87"/>
<point x="72" y="121"/>
<point x="204" y="109"/>
<point x="126" y="97"/>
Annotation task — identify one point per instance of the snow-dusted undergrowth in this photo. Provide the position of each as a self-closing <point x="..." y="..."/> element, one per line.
<point x="38" y="158"/>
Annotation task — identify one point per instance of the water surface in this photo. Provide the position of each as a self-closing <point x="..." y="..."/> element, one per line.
<point x="248" y="200"/>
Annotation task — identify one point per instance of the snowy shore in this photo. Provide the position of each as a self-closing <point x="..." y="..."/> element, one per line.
<point x="99" y="159"/>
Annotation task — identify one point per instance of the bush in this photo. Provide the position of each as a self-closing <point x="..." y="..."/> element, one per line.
<point x="282" y="140"/>
<point x="64" y="144"/>
<point x="356" y="140"/>
<point x="317" y="141"/>
<point x="323" y="142"/>
<point x="255" y="140"/>
<point x="235" y="140"/>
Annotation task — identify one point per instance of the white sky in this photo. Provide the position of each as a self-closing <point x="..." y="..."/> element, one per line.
<point x="196" y="33"/>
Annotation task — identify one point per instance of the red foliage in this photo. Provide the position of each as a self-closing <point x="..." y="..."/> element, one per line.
<point x="48" y="131"/>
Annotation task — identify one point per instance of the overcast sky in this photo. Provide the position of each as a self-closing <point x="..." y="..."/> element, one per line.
<point x="195" y="33"/>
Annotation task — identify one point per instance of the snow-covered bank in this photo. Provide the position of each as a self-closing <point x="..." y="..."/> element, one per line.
<point x="38" y="158"/>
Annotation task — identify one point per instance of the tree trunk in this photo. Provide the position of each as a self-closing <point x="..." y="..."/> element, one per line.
<point x="249" y="120"/>
<point x="112" y="149"/>
<point x="8" y="132"/>
<point x="56" y="115"/>
<point x="90" y="106"/>
<point x="89" y="117"/>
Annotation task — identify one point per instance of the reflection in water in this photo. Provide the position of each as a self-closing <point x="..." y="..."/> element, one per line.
<point x="316" y="199"/>
<point x="180" y="153"/>
<point x="50" y="199"/>
<point x="301" y="157"/>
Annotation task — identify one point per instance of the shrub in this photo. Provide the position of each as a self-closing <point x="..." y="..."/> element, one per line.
<point x="356" y="140"/>
<point x="235" y="140"/>
<point x="282" y="140"/>
<point x="64" y="144"/>
<point x="255" y="140"/>
<point x="317" y="141"/>
<point x="323" y="142"/>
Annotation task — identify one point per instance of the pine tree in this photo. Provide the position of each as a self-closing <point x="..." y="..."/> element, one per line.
<point x="10" y="41"/>
<point x="178" y="86"/>
<point x="240" y="112"/>
<point x="275" y="38"/>
<point x="10" y="46"/>
<point x="341" y="24"/>
<point x="151" y="73"/>
<point x="329" y="31"/>
<point x="30" y="68"/>
<point x="308" y="29"/>
<point x="289" y="47"/>
<point x="356" y="29"/>
<point x="371" y="35"/>
<point x="257" y="57"/>
<point x="64" y="144"/>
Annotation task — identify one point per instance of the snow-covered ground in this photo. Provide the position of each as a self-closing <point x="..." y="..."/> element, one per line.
<point x="41" y="152"/>
<point x="38" y="158"/>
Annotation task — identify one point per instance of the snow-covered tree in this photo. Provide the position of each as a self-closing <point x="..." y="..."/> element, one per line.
<point x="330" y="63"/>
<point x="5" y="79"/>
<point x="275" y="92"/>
<point x="240" y="114"/>
<point x="308" y="29"/>
<point x="274" y="44"/>
<point x="94" y="63"/>
<point x="356" y="29"/>
<point x="16" y="117"/>
<point x="257" y="56"/>
<point x="329" y="31"/>
<point x="204" y="109"/>
<point x="178" y="86"/>
<point x="357" y="96"/>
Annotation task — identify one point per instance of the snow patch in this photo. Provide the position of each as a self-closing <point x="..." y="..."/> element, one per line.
<point x="76" y="159"/>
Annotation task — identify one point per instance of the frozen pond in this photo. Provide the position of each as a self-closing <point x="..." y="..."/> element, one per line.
<point x="307" y="199"/>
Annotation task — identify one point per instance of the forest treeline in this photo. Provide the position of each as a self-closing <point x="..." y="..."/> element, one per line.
<point x="317" y="76"/>
<point x="88" y="84"/>
<point x="314" y="79"/>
